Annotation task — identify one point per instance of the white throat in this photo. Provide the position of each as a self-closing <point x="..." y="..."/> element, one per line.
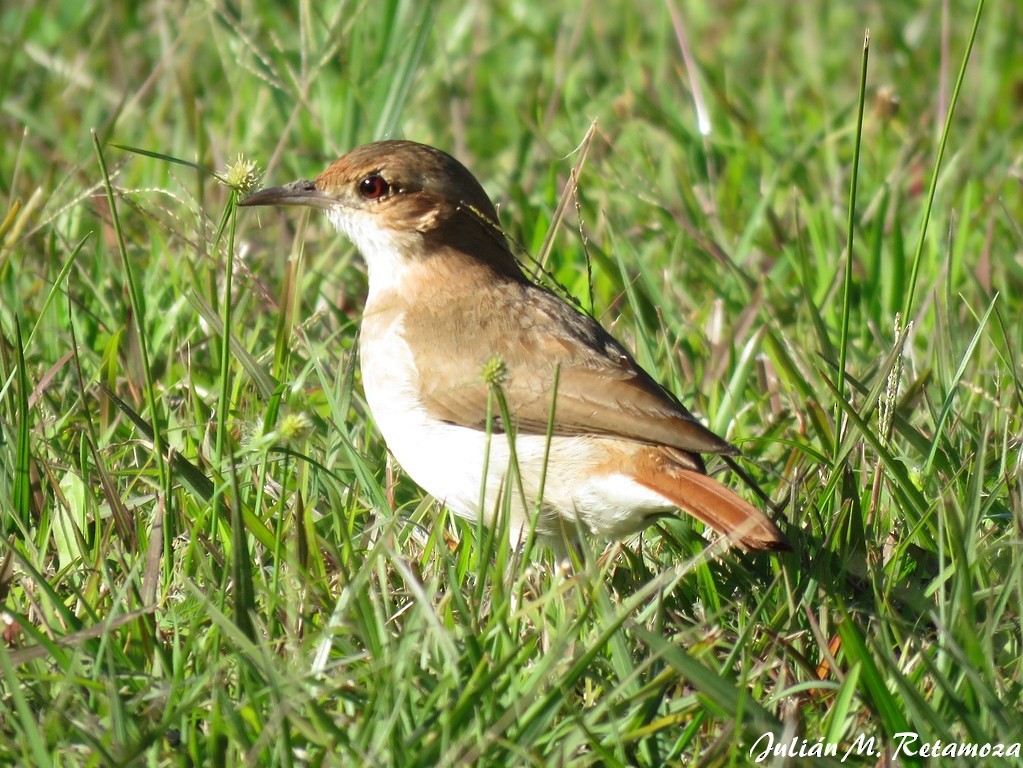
<point x="381" y="248"/>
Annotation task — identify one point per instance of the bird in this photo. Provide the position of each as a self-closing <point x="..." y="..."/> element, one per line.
<point x="494" y="394"/>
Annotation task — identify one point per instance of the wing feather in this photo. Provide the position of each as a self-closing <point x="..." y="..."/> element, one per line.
<point x="601" y="389"/>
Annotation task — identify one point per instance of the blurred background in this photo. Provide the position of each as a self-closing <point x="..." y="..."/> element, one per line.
<point x="266" y="588"/>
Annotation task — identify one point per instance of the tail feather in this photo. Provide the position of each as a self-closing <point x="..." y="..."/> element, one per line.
<point x="707" y="500"/>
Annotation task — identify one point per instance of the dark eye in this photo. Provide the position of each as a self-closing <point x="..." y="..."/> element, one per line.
<point x="373" y="187"/>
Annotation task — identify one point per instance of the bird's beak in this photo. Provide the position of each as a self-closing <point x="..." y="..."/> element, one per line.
<point x="301" y="192"/>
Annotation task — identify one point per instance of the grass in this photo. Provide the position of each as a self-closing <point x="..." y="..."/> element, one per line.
<point x="207" y="556"/>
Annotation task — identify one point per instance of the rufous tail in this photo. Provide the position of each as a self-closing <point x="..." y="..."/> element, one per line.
<point x="707" y="500"/>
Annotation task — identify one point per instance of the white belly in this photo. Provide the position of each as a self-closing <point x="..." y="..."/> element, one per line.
<point x="449" y="461"/>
